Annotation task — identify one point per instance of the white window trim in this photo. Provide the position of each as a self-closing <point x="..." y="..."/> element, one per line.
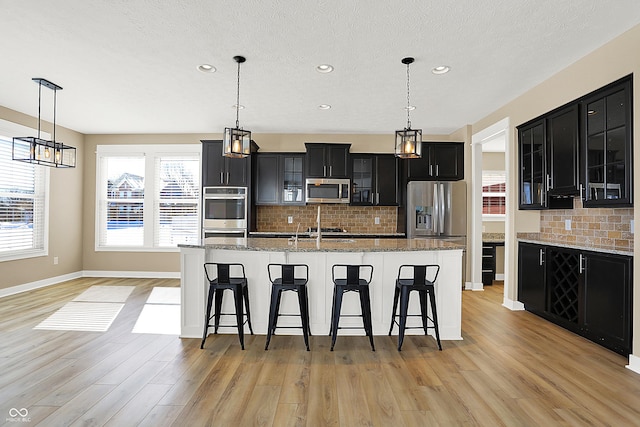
<point x="150" y="151"/>
<point x="9" y="129"/>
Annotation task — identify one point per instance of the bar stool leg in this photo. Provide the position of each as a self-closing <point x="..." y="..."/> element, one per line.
<point x="245" y="294"/>
<point x="237" y="296"/>
<point x="207" y="316"/>
<point x="337" y="307"/>
<point x="404" y="306"/>
<point x="432" y="298"/>
<point x="218" y="306"/>
<point x="365" y="304"/>
<point x="304" y="313"/>
<point x="396" y="294"/>
<point x="423" y="309"/>
<point x="273" y="314"/>
<point x="333" y="310"/>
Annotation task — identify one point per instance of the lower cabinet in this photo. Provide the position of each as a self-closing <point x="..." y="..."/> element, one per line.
<point x="586" y="292"/>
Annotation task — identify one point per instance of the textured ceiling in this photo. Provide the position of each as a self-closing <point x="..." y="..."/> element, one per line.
<point x="129" y="66"/>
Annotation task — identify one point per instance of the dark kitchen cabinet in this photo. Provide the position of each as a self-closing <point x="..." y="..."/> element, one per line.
<point x="531" y="284"/>
<point x="607" y="153"/>
<point x="327" y="160"/>
<point x="533" y="171"/>
<point x="563" y="152"/>
<point x="279" y="179"/>
<point x="587" y="292"/>
<point x="374" y="180"/>
<point x="220" y="170"/>
<point x="440" y="161"/>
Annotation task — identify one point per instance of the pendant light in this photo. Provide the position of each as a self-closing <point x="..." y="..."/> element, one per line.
<point x="41" y="151"/>
<point x="408" y="141"/>
<point x="237" y="141"/>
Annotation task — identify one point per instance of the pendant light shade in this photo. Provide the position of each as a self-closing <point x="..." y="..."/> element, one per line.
<point x="42" y="151"/>
<point x="408" y="141"/>
<point x="237" y="141"/>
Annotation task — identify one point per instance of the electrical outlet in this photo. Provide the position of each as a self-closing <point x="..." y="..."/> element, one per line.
<point x="55" y="260"/>
<point x="290" y="220"/>
<point x="377" y="220"/>
<point x="632" y="226"/>
<point x="567" y="224"/>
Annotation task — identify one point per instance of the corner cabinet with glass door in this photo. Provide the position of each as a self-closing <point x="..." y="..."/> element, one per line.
<point x="532" y="151"/>
<point x="608" y="146"/>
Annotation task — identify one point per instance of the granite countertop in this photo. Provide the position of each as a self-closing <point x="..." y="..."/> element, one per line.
<point x="326" y="245"/>
<point x="493" y="237"/>
<point x="536" y="238"/>
<point x="328" y="234"/>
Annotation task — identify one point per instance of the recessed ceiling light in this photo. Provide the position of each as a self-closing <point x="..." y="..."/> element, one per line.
<point x="409" y="108"/>
<point x="240" y="107"/>
<point x="441" y="69"/>
<point x="206" y="68"/>
<point x="324" y="106"/>
<point x="324" y="68"/>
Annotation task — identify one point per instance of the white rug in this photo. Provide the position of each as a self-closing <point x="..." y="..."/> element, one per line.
<point x="164" y="295"/>
<point x="82" y="316"/>
<point x="158" y="319"/>
<point x="105" y="294"/>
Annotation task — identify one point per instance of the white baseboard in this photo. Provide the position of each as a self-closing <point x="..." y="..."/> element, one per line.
<point x="39" y="284"/>
<point x="473" y="286"/>
<point x="133" y="274"/>
<point x="634" y="363"/>
<point x="88" y="273"/>
<point x="512" y="305"/>
<point x="499" y="276"/>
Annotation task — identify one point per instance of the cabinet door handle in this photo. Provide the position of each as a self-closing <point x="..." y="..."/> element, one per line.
<point x="583" y="266"/>
<point x="227" y="177"/>
<point x="430" y="170"/>
<point x="549" y="182"/>
<point x="437" y="170"/>
<point x="221" y="177"/>
<point x="541" y="256"/>
<point x="324" y="170"/>
<point x="330" y="170"/>
<point x="581" y="193"/>
<point x="377" y="198"/>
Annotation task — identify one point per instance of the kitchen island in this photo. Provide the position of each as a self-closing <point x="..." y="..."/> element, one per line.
<point x="386" y="255"/>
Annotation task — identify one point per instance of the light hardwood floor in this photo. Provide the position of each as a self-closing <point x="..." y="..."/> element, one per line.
<point x="512" y="368"/>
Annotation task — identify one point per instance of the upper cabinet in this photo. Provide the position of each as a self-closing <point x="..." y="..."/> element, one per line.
<point x="440" y="161"/>
<point x="327" y="160"/>
<point x="374" y="180"/>
<point x="279" y="179"/>
<point x="583" y="148"/>
<point x="219" y="170"/>
<point x="607" y="153"/>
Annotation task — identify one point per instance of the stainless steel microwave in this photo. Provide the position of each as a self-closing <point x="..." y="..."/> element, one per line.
<point x="327" y="190"/>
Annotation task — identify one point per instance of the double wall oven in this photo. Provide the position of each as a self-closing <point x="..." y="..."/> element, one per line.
<point x="224" y="212"/>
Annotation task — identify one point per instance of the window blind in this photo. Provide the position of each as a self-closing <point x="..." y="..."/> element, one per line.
<point x="494" y="192"/>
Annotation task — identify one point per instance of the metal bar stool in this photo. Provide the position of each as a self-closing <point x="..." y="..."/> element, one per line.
<point x="353" y="282"/>
<point x="224" y="281"/>
<point x="404" y="287"/>
<point x="288" y="282"/>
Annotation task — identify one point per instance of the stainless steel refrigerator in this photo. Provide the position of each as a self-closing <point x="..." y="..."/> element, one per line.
<point x="437" y="210"/>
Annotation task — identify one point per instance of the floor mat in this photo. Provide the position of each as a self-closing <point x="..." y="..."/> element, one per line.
<point x="105" y="294"/>
<point x="82" y="316"/>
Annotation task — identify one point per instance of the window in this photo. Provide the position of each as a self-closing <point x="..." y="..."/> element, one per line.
<point x="147" y="196"/>
<point x="23" y="201"/>
<point x="494" y="196"/>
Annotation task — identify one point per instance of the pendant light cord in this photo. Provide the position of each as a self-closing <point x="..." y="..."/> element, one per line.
<point x="408" y="102"/>
<point x="39" y="104"/>
<point x="238" y="99"/>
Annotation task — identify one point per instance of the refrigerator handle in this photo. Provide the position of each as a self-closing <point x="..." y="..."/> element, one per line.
<point x="441" y="210"/>
<point x="436" y="210"/>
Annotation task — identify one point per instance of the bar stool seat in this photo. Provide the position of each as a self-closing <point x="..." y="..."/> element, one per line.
<point x="353" y="282"/>
<point x="288" y="282"/>
<point x="425" y="288"/>
<point x="219" y="283"/>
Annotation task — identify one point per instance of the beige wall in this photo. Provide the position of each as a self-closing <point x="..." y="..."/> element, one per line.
<point x="610" y="62"/>
<point x="66" y="194"/>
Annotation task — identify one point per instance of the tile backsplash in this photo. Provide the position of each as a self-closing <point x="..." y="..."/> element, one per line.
<point x="589" y="226"/>
<point x="354" y="219"/>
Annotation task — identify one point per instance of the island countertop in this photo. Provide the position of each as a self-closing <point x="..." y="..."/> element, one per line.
<point x="325" y="245"/>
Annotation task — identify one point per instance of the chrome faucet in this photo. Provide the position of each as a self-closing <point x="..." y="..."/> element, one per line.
<point x="319" y="228"/>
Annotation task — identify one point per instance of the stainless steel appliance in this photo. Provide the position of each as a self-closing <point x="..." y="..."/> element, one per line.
<point x="327" y="190"/>
<point x="437" y="209"/>
<point x="224" y="212"/>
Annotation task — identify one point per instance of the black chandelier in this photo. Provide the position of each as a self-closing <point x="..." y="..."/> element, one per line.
<point x="41" y="151"/>
<point x="237" y="141"/>
<point x="408" y="141"/>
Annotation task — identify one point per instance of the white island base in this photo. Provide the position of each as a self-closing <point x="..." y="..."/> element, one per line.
<point x="194" y="289"/>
